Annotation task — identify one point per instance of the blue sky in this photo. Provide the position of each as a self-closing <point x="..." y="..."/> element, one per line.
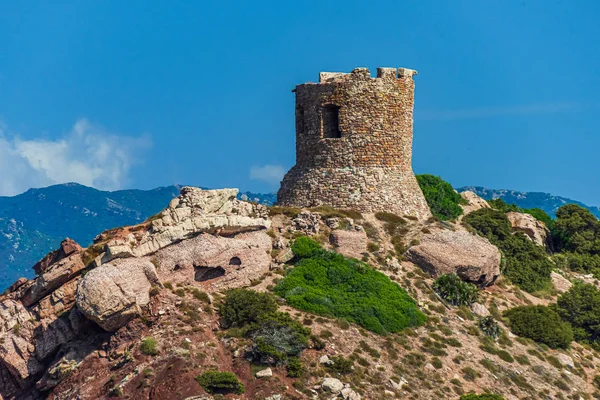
<point x="155" y="93"/>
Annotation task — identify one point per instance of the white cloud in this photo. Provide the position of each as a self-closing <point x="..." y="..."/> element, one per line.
<point x="485" y="112"/>
<point x="272" y="174"/>
<point x="87" y="154"/>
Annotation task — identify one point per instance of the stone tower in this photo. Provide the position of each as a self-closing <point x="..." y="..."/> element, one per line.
<point x="354" y="144"/>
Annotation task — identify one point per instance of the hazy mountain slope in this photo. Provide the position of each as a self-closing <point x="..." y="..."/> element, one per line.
<point x="545" y="201"/>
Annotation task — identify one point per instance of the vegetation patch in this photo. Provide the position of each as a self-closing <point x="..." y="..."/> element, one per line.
<point x="220" y="382"/>
<point x="276" y="337"/>
<point x="580" y="307"/>
<point x="441" y="198"/>
<point x="537" y="213"/>
<point x="456" y="291"/>
<point x="327" y="283"/>
<point x="527" y="265"/>
<point x="149" y="346"/>
<point x="490" y="327"/>
<point x="483" y="396"/>
<point x="541" y="324"/>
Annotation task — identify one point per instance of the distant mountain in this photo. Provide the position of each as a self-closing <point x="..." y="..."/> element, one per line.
<point x="545" y="201"/>
<point x="34" y="223"/>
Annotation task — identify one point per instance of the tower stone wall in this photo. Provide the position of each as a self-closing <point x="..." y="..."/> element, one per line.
<point x="354" y="144"/>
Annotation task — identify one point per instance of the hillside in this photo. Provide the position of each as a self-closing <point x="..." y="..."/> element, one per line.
<point x="544" y="201"/>
<point x="146" y="312"/>
<point x="35" y="222"/>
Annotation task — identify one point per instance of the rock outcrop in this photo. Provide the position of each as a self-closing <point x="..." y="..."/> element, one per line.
<point x="195" y="211"/>
<point x="471" y="257"/>
<point x="474" y="202"/>
<point x="216" y="261"/>
<point x="530" y="226"/>
<point x="113" y="294"/>
<point x="350" y="243"/>
<point x="67" y="247"/>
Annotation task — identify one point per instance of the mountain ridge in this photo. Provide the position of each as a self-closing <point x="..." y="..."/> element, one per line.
<point x="546" y="201"/>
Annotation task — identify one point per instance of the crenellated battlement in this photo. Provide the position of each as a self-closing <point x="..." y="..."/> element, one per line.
<point x="364" y="73"/>
<point x="354" y="143"/>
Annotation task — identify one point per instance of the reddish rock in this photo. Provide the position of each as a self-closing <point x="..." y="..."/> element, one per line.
<point x="67" y="247"/>
<point x="349" y="243"/>
<point x="471" y="257"/>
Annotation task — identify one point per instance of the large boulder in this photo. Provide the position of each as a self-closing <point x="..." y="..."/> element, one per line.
<point x="471" y="257"/>
<point x="216" y="261"/>
<point x="115" y="293"/>
<point x="350" y="243"/>
<point x="474" y="202"/>
<point x="530" y="226"/>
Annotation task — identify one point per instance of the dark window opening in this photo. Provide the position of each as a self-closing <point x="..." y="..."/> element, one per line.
<point x="207" y="273"/>
<point x="177" y="267"/>
<point x="235" y="261"/>
<point x="331" y="121"/>
<point x="299" y="119"/>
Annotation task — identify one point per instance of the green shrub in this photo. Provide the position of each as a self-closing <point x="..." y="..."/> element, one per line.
<point x="305" y="247"/>
<point x="329" y="284"/>
<point x="583" y="263"/>
<point x="277" y="338"/>
<point x="577" y="230"/>
<point x="541" y="324"/>
<point x="456" y="291"/>
<point x="580" y="306"/>
<point x="340" y="365"/>
<point x="443" y="201"/>
<point x="294" y="367"/>
<point x="220" y="382"/>
<point x="527" y="265"/>
<point x="483" y="396"/>
<point x="149" y="346"/>
<point x="501" y="205"/>
<point x="489" y="327"/>
<point x="242" y="307"/>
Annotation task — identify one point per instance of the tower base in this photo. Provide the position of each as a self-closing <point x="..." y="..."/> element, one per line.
<point x="370" y="189"/>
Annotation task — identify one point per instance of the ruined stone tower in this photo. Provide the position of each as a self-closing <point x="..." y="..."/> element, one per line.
<point x="354" y="144"/>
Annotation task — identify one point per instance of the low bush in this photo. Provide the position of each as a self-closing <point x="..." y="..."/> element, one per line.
<point x="580" y="306"/>
<point x="489" y="327"/>
<point x="329" y="284"/>
<point x="541" y="324"/>
<point x="527" y="265"/>
<point x="305" y="247"/>
<point x="456" y="291"/>
<point x="277" y="338"/>
<point x="340" y="365"/>
<point x="582" y="263"/>
<point x="294" y="368"/>
<point x="149" y="346"/>
<point x="441" y="198"/>
<point x="220" y="382"/>
<point x="242" y="307"/>
<point x="483" y="396"/>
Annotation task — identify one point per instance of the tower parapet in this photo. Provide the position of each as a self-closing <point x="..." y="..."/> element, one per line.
<point x="354" y="144"/>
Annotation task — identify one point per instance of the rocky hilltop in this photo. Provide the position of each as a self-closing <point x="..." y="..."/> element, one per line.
<point x="146" y="311"/>
<point x="35" y="222"/>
